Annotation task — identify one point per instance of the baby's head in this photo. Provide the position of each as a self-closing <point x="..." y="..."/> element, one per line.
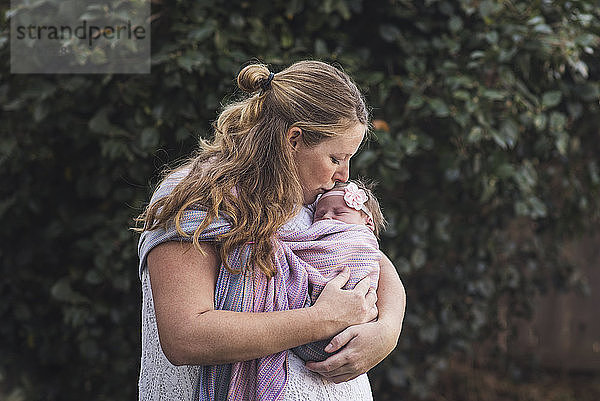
<point x="351" y="202"/>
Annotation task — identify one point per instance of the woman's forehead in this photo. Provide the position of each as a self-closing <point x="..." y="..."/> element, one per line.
<point x="348" y="142"/>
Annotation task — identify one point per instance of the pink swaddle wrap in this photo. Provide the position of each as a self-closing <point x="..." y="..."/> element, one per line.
<point x="323" y="250"/>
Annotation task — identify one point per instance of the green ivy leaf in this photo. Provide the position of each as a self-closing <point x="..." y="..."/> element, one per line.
<point x="551" y="99"/>
<point x="418" y="258"/>
<point x="539" y="122"/>
<point x="203" y="32"/>
<point x="389" y="33"/>
<point x="455" y="24"/>
<point x="415" y="101"/>
<point x="439" y="107"/>
<point x="99" y="123"/>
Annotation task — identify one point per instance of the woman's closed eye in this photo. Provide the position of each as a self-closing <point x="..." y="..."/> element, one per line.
<point x="334" y="160"/>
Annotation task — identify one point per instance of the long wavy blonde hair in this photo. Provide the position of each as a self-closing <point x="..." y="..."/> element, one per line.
<point x="247" y="172"/>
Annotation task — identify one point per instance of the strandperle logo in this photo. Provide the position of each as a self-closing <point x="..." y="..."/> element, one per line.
<point x="80" y="36"/>
<point x="83" y="32"/>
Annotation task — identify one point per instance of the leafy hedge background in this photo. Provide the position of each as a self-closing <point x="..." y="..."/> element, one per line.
<point x="486" y="117"/>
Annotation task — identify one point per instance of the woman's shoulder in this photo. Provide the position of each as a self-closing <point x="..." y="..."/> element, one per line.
<point x="169" y="183"/>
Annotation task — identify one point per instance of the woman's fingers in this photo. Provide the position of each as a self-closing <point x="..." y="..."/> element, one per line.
<point x="371" y="296"/>
<point x="341" y="279"/>
<point x="371" y="299"/>
<point x="340" y="340"/>
<point x="353" y="359"/>
<point x="337" y="368"/>
<point x="337" y="364"/>
<point x="332" y="366"/>
<point x="364" y="289"/>
<point x="363" y="286"/>
<point x="342" y="378"/>
<point x="347" y="307"/>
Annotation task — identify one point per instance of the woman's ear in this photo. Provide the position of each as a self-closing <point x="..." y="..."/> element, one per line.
<point x="294" y="137"/>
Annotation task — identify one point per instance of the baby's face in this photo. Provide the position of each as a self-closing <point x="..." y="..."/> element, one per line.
<point x="334" y="207"/>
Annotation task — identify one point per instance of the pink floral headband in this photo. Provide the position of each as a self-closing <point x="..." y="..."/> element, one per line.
<point x="354" y="197"/>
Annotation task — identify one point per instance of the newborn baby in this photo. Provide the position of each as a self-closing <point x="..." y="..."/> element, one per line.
<point x="346" y="221"/>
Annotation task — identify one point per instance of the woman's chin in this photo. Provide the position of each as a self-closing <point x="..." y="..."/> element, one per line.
<point x="309" y="199"/>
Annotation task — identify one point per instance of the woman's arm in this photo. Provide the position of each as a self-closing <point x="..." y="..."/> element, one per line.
<point x="192" y="332"/>
<point x="366" y="345"/>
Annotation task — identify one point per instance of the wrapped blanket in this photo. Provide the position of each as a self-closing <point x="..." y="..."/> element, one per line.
<point x="323" y="250"/>
<point x="305" y="261"/>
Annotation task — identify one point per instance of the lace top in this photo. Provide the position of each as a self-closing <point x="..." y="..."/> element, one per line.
<point x="161" y="380"/>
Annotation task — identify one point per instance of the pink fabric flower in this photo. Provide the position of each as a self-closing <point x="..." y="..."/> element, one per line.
<point x="354" y="197"/>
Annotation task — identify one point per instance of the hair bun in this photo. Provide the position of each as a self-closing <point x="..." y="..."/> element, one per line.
<point x="253" y="77"/>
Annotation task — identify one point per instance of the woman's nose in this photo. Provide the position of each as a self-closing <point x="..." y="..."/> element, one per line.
<point x="342" y="174"/>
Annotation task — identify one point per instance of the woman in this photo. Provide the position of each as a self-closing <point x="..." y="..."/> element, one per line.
<point x="273" y="152"/>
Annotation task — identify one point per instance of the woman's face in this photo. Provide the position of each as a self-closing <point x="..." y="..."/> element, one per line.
<point x="320" y="166"/>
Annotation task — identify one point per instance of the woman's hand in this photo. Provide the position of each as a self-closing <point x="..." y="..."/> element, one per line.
<point x="344" y="308"/>
<point x="365" y="345"/>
